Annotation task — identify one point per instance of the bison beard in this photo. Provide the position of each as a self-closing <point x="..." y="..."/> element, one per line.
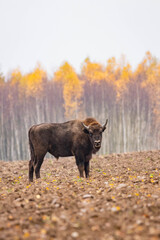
<point x="73" y="138"/>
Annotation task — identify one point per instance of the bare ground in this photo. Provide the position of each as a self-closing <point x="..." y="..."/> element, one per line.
<point x="120" y="200"/>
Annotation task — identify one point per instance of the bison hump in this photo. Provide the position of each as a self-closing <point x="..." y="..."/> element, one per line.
<point x="90" y="121"/>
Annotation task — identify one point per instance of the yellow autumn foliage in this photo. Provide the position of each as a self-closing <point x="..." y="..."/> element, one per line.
<point x="1" y="79"/>
<point x="152" y="82"/>
<point x="117" y="76"/>
<point x="16" y="76"/>
<point x="121" y="83"/>
<point x="93" y="71"/>
<point x="30" y="83"/>
<point x="112" y="71"/>
<point x="72" y="89"/>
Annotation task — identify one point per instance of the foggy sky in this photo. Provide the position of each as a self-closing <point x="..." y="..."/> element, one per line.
<point x="53" y="31"/>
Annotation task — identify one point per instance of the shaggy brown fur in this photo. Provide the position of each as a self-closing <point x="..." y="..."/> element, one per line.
<point x="73" y="138"/>
<point x="91" y="121"/>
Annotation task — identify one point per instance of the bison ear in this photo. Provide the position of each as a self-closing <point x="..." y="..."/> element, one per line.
<point x="104" y="126"/>
<point x="86" y="128"/>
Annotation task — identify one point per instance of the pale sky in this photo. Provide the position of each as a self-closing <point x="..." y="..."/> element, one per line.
<point x="53" y="31"/>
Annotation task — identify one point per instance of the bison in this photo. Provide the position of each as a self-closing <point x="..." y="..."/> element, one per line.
<point x="73" y="138"/>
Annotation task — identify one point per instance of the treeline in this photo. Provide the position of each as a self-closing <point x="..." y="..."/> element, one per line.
<point x="129" y="99"/>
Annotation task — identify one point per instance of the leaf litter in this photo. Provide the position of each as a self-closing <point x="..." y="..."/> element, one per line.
<point x="120" y="200"/>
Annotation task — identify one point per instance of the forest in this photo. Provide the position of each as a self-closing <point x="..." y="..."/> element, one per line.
<point x="129" y="98"/>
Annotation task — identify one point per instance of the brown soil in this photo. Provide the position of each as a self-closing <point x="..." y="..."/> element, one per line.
<point x="120" y="200"/>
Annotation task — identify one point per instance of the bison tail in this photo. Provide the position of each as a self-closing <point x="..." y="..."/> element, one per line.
<point x="32" y="153"/>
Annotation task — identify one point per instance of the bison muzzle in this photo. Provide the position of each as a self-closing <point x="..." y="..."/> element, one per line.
<point x="73" y="138"/>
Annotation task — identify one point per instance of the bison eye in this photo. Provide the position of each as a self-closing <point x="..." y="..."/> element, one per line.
<point x="90" y="134"/>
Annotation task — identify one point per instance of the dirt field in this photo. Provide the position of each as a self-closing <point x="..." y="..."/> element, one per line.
<point x="120" y="200"/>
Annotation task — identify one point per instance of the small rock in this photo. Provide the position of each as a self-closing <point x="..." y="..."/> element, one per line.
<point x="101" y="210"/>
<point x="83" y="210"/>
<point x="106" y="183"/>
<point x="75" y="234"/>
<point x="57" y="205"/>
<point x="122" y="185"/>
<point x="114" y="209"/>
<point x="109" y="190"/>
<point x="54" y="201"/>
<point x="87" y="196"/>
<point x="155" y="196"/>
<point x="139" y="222"/>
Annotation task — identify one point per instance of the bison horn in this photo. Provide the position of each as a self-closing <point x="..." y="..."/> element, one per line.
<point x="86" y="127"/>
<point x="104" y="126"/>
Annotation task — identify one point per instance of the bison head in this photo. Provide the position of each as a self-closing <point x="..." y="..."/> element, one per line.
<point x="94" y="131"/>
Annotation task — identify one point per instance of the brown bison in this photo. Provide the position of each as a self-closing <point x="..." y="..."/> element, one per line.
<point x="73" y="138"/>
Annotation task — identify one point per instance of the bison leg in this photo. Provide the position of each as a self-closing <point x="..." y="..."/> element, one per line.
<point x="86" y="168"/>
<point x="81" y="169"/>
<point x="80" y="164"/>
<point x="31" y="169"/>
<point x="38" y="166"/>
<point x="86" y="165"/>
